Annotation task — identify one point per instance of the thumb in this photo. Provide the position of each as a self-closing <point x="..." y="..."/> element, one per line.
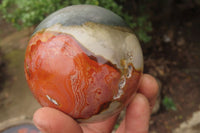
<point x="49" y="120"/>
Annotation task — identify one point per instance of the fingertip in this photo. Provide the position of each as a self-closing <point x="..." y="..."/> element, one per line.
<point x="140" y="101"/>
<point x="151" y="82"/>
<point x="149" y="88"/>
<point x="138" y="115"/>
<point x="49" y="120"/>
<point x="38" y="120"/>
<point x="139" y="104"/>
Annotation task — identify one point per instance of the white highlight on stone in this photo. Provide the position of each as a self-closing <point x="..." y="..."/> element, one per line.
<point x="129" y="73"/>
<point x="52" y="100"/>
<point x="122" y="83"/>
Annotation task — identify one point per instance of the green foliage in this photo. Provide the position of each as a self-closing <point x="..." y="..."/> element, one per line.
<point x="143" y="27"/>
<point x="25" y="13"/>
<point x="169" y="103"/>
<point x="116" y="126"/>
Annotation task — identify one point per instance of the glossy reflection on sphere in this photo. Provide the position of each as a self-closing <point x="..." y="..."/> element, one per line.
<point x="84" y="61"/>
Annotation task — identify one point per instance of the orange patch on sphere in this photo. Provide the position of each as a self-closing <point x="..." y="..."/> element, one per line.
<point x="61" y="75"/>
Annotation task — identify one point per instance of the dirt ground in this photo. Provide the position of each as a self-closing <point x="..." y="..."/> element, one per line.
<point x="173" y="57"/>
<point x="16" y="100"/>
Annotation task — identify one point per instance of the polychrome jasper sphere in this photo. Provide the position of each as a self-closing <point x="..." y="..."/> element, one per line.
<point x="84" y="61"/>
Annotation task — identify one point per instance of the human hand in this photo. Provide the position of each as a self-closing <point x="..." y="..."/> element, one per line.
<point x="50" y="120"/>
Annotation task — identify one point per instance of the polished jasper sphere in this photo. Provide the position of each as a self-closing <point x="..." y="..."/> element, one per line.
<point x="84" y="61"/>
